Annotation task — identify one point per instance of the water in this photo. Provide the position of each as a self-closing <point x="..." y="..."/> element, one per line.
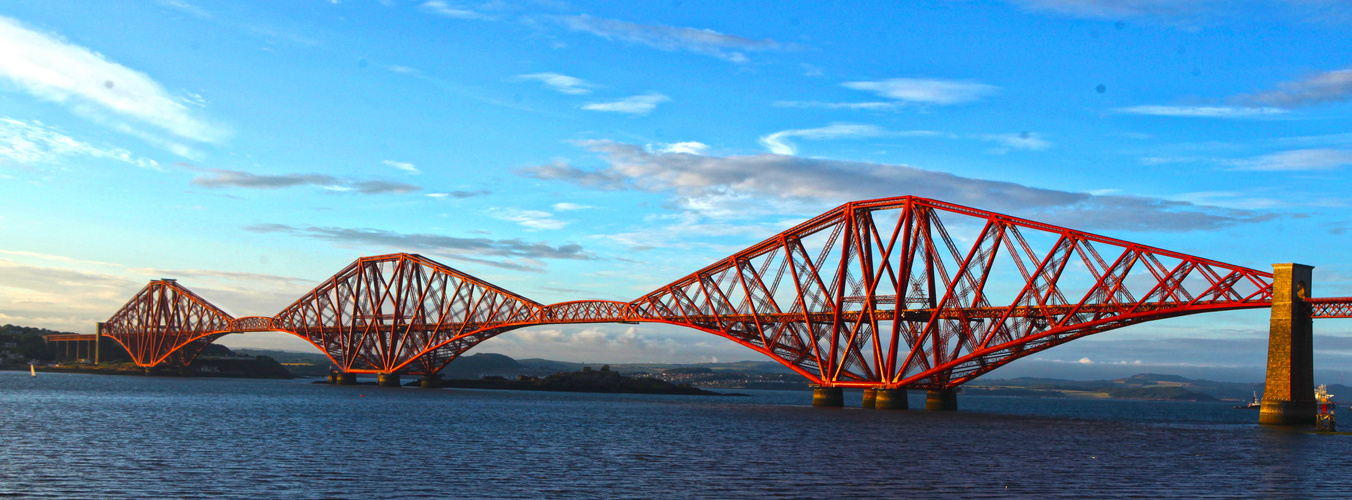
<point x="72" y="435"/>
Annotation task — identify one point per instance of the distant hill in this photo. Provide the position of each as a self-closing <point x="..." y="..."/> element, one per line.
<point x="1140" y="386"/>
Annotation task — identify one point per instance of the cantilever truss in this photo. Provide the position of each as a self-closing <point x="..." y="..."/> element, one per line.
<point x="382" y="314"/>
<point x="898" y="292"/>
<point x="166" y="323"/>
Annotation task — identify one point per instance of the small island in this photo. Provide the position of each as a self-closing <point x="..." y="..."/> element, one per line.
<point x="588" y="380"/>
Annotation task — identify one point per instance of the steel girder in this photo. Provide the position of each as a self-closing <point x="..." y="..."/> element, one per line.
<point x="890" y="293"/>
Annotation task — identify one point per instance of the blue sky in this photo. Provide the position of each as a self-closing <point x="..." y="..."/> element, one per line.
<point x="570" y="150"/>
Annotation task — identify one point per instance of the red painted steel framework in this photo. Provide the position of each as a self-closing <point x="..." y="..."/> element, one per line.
<point x="873" y="294"/>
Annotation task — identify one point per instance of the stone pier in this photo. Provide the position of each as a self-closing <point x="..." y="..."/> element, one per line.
<point x="388" y="380"/>
<point x="942" y="400"/>
<point x="891" y="399"/>
<point x="1288" y="395"/>
<point x="832" y="397"/>
<point x="430" y="382"/>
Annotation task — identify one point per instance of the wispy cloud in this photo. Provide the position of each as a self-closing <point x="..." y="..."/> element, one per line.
<point x="216" y="178"/>
<point x="926" y="90"/>
<point x="1188" y="13"/>
<point x="54" y="70"/>
<point x="1117" y="9"/>
<point x="188" y="8"/>
<point x="779" y="143"/>
<point x="793" y="185"/>
<point x="1024" y="141"/>
<point x="566" y="207"/>
<point x="405" y="166"/>
<point x="29" y="144"/>
<point x="671" y="39"/>
<point x="508" y="254"/>
<point x="1204" y="111"/>
<point x="562" y="83"/>
<point x="691" y="147"/>
<point x="635" y="105"/>
<point x="871" y="106"/>
<point x="1297" y="160"/>
<point x="456" y="11"/>
<point x="459" y="194"/>
<point x="1319" y="88"/>
<point x="533" y="219"/>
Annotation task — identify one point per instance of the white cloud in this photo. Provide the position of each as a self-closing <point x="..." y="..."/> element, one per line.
<point x="1203" y="111"/>
<point x="636" y="105"/>
<point x="871" y="106"/>
<point x="30" y="144"/>
<point x="54" y="70"/>
<point x="690" y="147"/>
<point x="706" y="42"/>
<point x="1025" y="141"/>
<point x="534" y="219"/>
<point x="778" y="142"/>
<point x="455" y="11"/>
<point x="188" y="8"/>
<point x="1297" y="160"/>
<point x="1116" y="9"/>
<point x="407" y="167"/>
<point x="926" y="90"/>
<point x="1318" y="88"/>
<point x="566" y="207"/>
<point x="1085" y="361"/>
<point x="761" y="185"/>
<point x="562" y="83"/>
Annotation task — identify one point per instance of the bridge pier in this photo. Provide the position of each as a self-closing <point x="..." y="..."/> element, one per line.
<point x="891" y="399"/>
<point x="870" y="398"/>
<point x="341" y="378"/>
<point x="1288" y="392"/>
<point x="388" y="380"/>
<point x="942" y="400"/>
<point x="831" y="397"/>
<point x="430" y="381"/>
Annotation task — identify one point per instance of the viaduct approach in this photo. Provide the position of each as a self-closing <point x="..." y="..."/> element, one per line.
<point x="875" y="294"/>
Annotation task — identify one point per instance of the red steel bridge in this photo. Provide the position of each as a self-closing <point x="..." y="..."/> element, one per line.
<point x="873" y="294"/>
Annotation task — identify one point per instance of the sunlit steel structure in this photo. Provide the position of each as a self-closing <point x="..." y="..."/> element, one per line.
<point x="904" y="292"/>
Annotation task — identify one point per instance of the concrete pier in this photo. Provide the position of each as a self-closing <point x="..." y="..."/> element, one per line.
<point x="891" y="399"/>
<point x="388" y="380"/>
<point x="831" y="397"/>
<point x="870" y="398"/>
<point x="341" y="378"/>
<point x="430" y="382"/>
<point x="1288" y="394"/>
<point x="942" y="400"/>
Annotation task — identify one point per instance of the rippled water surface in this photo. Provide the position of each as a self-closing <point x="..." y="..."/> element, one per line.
<point x="67" y="435"/>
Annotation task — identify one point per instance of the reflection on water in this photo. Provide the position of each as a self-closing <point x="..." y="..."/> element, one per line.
<point x="69" y="435"/>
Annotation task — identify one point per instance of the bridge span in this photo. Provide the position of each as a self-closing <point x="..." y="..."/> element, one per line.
<point x="873" y="294"/>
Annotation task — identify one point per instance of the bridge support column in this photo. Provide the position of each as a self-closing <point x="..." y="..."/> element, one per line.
<point x="942" y="400"/>
<point x="832" y="397"/>
<point x="341" y="378"/>
<point x="892" y="399"/>
<point x="388" y="380"/>
<point x="1288" y="393"/>
<point x="430" y="381"/>
<point x="870" y="398"/>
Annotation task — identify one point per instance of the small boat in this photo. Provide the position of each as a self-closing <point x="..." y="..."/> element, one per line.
<point x="1253" y="405"/>
<point x="32" y="370"/>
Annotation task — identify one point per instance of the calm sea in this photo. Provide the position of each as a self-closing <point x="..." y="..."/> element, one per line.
<point x="89" y="436"/>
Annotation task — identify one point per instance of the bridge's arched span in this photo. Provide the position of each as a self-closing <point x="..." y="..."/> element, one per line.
<point x="898" y="292"/>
